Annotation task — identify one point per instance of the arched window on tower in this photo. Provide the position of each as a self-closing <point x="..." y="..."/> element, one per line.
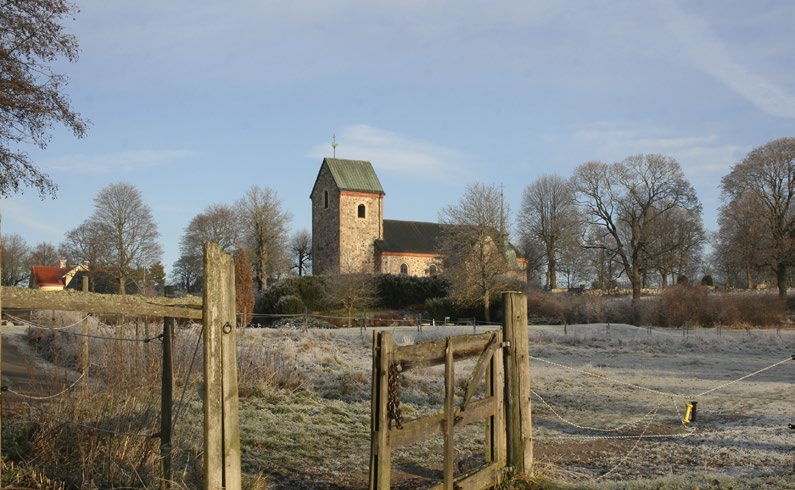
<point x="433" y="270"/>
<point x="362" y="211"/>
<point x="404" y="270"/>
<point x="325" y="199"/>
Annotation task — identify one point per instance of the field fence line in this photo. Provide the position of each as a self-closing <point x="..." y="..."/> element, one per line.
<point x="112" y="432"/>
<point x="634" y="446"/>
<point x="596" y="429"/>
<point x="47" y="397"/>
<point x="31" y="324"/>
<point x="658" y="392"/>
<point x="180" y="406"/>
<point x="37" y="326"/>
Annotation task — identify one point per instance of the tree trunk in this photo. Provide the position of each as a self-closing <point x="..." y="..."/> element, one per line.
<point x="781" y="279"/>
<point x="749" y="279"/>
<point x="486" y="306"/>
<point x="635" y="280"/>
<point x="262" y="280"/>
<point x="552" y="270"/>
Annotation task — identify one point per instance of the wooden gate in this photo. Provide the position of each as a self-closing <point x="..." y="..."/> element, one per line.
<point x="389" y="432"/>
<point x="505" y="406"/>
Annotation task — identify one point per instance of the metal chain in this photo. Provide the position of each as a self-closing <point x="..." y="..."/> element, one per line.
<point x="393" y="400"/>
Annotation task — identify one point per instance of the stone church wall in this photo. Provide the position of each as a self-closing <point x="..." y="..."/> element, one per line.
<point x="325" y="226"/>
<point x="358" y="235"/>
<point x="418" y="264"/>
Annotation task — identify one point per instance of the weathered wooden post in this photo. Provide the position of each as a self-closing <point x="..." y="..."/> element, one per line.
<point x="517" y="372"/>
<point x="449" y="416"/>
<point x="221" y="427"/>
<point x="380" y="452"/>
<point x="1" y="339"/>
<point x="84" y="331"/>
<point x="166" y="397"/>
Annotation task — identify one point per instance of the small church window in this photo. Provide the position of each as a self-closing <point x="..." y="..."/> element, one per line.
<point x="433" y="269"/>
<point x="362" y="211"/>
<point x="404" y="269"/>
<point x="325" y="199"/>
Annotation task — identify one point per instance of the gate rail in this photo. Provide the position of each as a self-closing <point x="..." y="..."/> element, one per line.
<point x="505" y="406"/>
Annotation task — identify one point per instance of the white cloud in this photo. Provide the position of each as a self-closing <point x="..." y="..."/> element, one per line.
<point x="712" y="56"/>
<point x="20" y="214"/>
<point x="127" y="161"/>
<point x="697" y="154"/>
<point x="394" y="152"/>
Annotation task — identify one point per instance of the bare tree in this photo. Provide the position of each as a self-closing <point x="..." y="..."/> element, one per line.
<point x="355" y="291"/>
<point x="675" y="244"/>
<point x="264" y="232"/>
<point x="534" y="254"/>
<point x="44" y="253"/>
<point x="127" y="229"/>
<point x="624" y="201"/>
<point x="217" y="223"/>
<point x="549" y="216"/>
<point x="742" y="237"/>
<point x="85" y="243"/>
<point x="16" y="260"/>
<point x="244" y="287"/>
<point x="768" y="174"/>
<point x="32" y="99"/>
<point x="187" y="274"/>
<point x="474" y="245"/>
<point x="301" y="250"/>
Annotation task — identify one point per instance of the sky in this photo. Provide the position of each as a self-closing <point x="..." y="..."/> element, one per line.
<point x="194" y="102"/>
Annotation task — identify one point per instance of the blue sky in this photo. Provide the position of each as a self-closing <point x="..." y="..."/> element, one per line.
<point x="195" y="101"/>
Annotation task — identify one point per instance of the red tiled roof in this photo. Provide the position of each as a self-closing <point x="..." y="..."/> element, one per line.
<point x="47" y="275"/>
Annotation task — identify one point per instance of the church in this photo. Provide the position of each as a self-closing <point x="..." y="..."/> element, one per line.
<point x="350" y="234"/>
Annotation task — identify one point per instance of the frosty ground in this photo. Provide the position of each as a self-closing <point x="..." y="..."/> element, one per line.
<point x="608" y="403"/>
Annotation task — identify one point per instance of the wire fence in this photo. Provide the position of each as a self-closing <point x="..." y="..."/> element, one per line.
<point x="638" y="429"/>
<point x="68" y="331"/>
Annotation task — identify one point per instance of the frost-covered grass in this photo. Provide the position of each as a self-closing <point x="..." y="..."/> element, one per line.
<point x="593" y="377"/>
<point x="305" y="405"/>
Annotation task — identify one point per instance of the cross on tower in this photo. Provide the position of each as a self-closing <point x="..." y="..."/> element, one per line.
<point x="334" y="144"/>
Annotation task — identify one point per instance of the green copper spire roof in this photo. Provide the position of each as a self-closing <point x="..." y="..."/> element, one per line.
<point x="354" y="175"/>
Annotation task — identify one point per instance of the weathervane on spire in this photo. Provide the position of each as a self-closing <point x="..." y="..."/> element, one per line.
<point x="334" y="144"/>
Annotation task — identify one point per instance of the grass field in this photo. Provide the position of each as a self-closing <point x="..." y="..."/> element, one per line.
<point x="607" y="409"/>
<point x="608" y="405"/>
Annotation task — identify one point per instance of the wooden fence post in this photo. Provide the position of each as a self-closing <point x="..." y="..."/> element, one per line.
<point x="380" y="452"/>
<point x="84" y="352"/>
<point x="1" y="341"/>
<point x="221" y="428"/>
<point x="449" y="416"/>
<point x="166" y="397"/>
<point x="517" y="371"/>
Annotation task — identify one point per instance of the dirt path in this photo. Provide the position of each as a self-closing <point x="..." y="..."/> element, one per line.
<point x="25" y="374"/>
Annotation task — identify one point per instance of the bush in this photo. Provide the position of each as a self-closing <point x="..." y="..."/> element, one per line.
<point x="309" y="289"/>
<point x="681" y="305"/>
<point x="544" y="307"/>
<point x="440" y="308"/>
<point x="399" y="291"/>
<point x="290" y="305"/>
<point x="745" y="309"/>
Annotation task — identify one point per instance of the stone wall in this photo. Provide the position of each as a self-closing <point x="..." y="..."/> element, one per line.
<point x="325" y="225"/>
<point x="358" y="235"/>
<point x="418" y="264"/>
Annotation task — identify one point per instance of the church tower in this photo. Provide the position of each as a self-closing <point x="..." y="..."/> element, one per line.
<point x="347" y="217"/>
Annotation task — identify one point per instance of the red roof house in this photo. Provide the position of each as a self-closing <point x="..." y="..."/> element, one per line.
<point x="52" y="278"/>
